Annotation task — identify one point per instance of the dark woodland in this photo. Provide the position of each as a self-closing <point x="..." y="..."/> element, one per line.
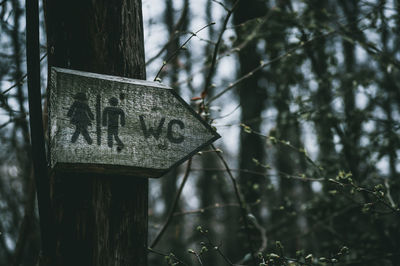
<point x="304" y="93"/>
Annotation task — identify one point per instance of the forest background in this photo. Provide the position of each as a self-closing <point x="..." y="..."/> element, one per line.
<point x="306" y="97"/>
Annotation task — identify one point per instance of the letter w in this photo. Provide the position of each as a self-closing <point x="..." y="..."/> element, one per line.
<point x="148" y="132"/>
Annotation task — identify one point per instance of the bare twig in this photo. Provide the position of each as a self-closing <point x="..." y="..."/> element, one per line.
<point x="11" y="120"/>
<point x="197" y="255"/>
<point x="21" y="80"/>
<point x="180" y="48"/>
<point x="229" y="113"/>
<point x="388" y="195"/>
<point x="202" y="210"/>
<point x="263" y="235"/>
<point x="264" y="64"/>
<point x="171" y="39"/>
<point x="379" y="198"/>
<point x="173" y="206"/>
<point x="243" y="209"/>
<point x="173" y="36"/>
<point x="166" y="255"/>
<point x="287" y="53"/>
<point x="286" y="175"/>
<point x="215" y="247"/>
<point x="198" y="258"/>
<point x="221" y="4"/>
<point x="216" y="48"/>
<point x="213" y="206"/>
<point x="218" y="249"/>
<point x="230" y="51"/>
<point x="287" y="143"/>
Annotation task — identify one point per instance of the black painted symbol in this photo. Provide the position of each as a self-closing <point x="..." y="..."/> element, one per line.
<point x="81" y="117"/>
<point x="148" y="132"/>
<point x="98" y="119"/>
<point x="111" y="119"/>
<point x="172" y="136"/>
<point x="163" y="145"/>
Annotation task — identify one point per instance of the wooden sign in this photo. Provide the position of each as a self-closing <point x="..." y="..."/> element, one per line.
<point x="107" y="124"/>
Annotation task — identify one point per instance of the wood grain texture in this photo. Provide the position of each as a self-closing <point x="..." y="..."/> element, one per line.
<point x="157" y="129"/>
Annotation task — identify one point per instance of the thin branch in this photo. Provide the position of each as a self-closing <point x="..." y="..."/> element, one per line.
<point x="388" y="195"/>
<point x="221" y="4"/>
<point x="203" y="39"/>
<point x="191" y="251"/>
<point x="264" y="64"/>
<point x="243" y="209"/>
<point x="380" y="199"/>
<point x="172" y="37"/>
<point x="288" y="53"/>
<point x="217" y="249"/>
<point x="211" y="207"/>
<point x="166" y="255"/>
<point x="180" y="48"/>
<point x="174" y="205"/>
<point x="286" y="175"/>
<point x="216" y="48"/>
<point x="4" y="104"/>
<point x="21" y="80"/>
<point x="287" y="143"/>
<point x="229" y="113"/>
<point x="198" y="258"/>
<point x="11" y="120"/>
<point x="237" y="48"/>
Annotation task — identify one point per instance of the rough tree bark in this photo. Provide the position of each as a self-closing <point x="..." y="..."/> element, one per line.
<point x="99" y="219"/>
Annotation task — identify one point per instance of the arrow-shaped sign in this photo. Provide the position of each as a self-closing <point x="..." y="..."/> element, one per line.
<point x="108" y="124"/>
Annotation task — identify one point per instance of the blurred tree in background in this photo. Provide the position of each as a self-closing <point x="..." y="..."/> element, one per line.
<point x="306" y="96"/>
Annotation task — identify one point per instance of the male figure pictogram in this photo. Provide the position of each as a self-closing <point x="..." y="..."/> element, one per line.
<point x="81" y="117"/>
<point x="111" y="117"/>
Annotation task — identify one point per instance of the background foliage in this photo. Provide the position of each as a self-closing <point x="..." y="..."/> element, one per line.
<point x="306" y="96"/>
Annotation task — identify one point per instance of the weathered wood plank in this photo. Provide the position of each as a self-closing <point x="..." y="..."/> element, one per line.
<point x="145" y="126"/>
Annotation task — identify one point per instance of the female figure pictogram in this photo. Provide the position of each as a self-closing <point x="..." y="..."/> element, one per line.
<point x="81" y="117"/>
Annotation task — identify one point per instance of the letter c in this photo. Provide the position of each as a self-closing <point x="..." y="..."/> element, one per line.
<point x="170" y="136"/>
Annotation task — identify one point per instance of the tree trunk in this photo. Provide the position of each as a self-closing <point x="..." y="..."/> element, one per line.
<point x="252" y="101"/>
<point x="99" y="219"/>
